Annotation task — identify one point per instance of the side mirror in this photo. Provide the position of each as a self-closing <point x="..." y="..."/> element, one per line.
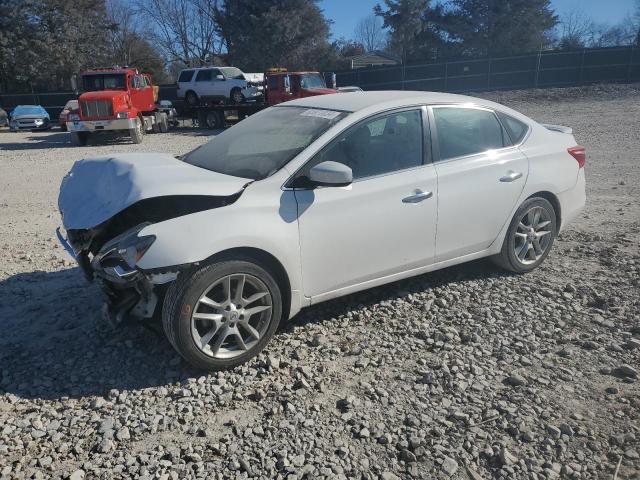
<point x="220" y="77"/>
<point x="331" y="174"/>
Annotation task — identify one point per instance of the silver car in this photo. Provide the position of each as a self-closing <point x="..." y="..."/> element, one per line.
<point x="4" y="118"/>
<point x="29" y="117"/>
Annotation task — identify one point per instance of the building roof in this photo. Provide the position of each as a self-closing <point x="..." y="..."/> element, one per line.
<point x="374" y="53"/>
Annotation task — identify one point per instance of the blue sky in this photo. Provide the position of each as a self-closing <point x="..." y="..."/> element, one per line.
<point x="346" y="13"/>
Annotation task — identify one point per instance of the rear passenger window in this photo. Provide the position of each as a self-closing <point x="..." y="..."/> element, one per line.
<point x="516" y="129"/>
<point x="204" y="76"/>
<point x="467" y="131"/>
<point x="382" y="145"/>
<point x="185" y="76"/>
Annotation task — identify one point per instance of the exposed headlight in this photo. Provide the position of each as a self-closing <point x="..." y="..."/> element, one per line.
<point x="122" y="254"/>
<point x="38" y="121"/>
<point x="122" y="115"/>
<point x="73" y="117"/>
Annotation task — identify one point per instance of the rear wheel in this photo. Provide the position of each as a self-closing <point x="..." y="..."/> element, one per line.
<point x="137" y="133"/>
<point x="223" y="314"/>
<point x="214" y="120"/>
<point x="80" y="138"/>
<point x="191" y="98"/>
<point x="530" y="236"/>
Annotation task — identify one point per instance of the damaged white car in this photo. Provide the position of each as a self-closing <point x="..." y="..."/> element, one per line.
<point x="311" y="200"/>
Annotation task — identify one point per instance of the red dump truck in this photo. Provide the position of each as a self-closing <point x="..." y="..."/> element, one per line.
<point x="116" y="100"/>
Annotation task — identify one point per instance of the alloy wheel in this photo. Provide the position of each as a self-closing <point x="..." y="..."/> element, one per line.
<point x="231" y="316"/>
<point x="532" y="235"/>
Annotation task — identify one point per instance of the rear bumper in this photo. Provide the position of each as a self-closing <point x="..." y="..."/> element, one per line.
<point x="572" y="201"/>
<point x="101" y="125"/>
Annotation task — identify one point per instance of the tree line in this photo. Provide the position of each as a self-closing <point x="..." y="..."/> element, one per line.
<point x="43" y="43"/>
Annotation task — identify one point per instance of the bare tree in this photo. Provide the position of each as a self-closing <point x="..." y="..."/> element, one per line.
<point x="577" y="30"/>
<point x="125" y="25"/>
<point x="183" y="29"/>
<point x="623" y="33"/>
<point x="370" y="33"/>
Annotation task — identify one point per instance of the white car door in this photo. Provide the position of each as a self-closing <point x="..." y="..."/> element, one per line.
<point x="203" y="83"/>
<point x="480" y="178"/>
<point x="384" y="223"/>
<point x="219" y="88"/>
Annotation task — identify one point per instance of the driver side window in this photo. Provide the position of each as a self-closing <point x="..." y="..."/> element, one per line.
<point x="382" y="145"/>
<point x="136" y="81"/>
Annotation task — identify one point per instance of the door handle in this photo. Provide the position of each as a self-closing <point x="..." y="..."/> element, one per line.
<point x="511" y="176"/>
<point x="417" y="197"/>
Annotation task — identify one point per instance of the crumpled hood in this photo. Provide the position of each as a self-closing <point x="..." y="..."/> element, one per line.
<point x="95" y="189"/>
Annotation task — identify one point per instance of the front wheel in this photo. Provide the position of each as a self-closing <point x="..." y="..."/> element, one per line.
<point x="164" y="123"/>
<point x="237" y="96"/>
<point x="223" y="314"/>
<point x="191" y="98"/>
<point x="137" y="133"/>
<point x="530" y="236"/>
<point x="80" y="138"/>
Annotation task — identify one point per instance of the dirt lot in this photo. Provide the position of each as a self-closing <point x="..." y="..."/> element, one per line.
<point x="464" y="373"/>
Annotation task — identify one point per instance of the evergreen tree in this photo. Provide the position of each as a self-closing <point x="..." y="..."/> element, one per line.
<point x="500" y="27"/>
<point x="269" y="33"/>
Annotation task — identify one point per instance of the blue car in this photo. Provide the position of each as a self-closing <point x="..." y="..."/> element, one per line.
<point x="29" y="117"/>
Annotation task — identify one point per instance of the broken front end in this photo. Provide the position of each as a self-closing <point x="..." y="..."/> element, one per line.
<point x="111" y="196"/>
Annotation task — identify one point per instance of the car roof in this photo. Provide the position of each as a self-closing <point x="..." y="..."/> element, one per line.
<point x="204" y="68"/>
<point x="355" y="101"/>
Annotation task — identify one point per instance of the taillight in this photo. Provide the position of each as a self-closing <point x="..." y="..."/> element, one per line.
<point x="578" y="153"/>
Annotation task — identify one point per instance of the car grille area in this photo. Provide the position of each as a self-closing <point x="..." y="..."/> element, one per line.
<point x="96" y="108"/>
<point x="30" y="123"/>
<point x="27" y="122"/>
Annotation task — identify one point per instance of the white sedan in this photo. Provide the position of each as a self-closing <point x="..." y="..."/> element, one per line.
<point x="313" y="199"/>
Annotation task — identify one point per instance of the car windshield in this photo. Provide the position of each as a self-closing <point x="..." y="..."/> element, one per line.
<point x="233" y="72"/>
<point x="94" y="83"/>
<point x="310" y="81"/>
<point x="29" y="110"/>
<point x="262" y="144"/>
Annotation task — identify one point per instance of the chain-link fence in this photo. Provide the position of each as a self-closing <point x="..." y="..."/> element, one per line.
<point x="544" y="69"/>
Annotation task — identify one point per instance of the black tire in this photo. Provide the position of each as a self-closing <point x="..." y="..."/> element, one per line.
<point x="214" y="120"/>
<point x="236" y="95"/>
<point x="507" y="257"/>
<point x="137" y="133"/>
<point x="164" y="123"/>
<point x="184" y="293"/>
<point x="80" y="138"/>
<point x="191" y="98"/>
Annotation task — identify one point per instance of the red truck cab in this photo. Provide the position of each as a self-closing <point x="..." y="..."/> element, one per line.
<point x="282" y="86"/>
<point x="116" y="99"/>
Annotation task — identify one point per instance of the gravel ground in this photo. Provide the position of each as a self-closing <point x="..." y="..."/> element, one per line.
<point x="466" y="373"/>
